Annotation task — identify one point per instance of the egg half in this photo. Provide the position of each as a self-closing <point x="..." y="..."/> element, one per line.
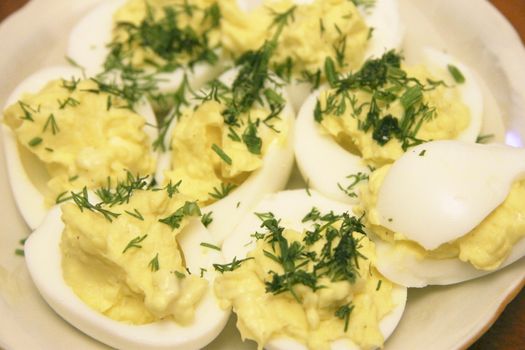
<point x="272" y="176"/>
<point x="27" y="174"/>
<point x="437" y="193"/>
<point x="381" y="16"/>
<point x="88" y="47"/>
<point x="43" y="258"/>
<point x="326" y="165"/>
<point x="290" y="208"/>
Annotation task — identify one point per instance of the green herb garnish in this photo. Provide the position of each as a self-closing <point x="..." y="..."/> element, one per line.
<point x="135" y="243"/>
<point x="456" y="74"/>
<point x="154" y="263"/>
<point x="175" y="219"/>
<point x="221" y="154"/>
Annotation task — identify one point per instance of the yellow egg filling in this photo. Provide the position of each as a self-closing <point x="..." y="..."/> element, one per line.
<point x="164" y="34"/>
<point x="432" y="111"/>
<point x="308" y="33"/>
<point x="337" y="308"/>
<point x="211" y="158"/>
<point x="130" y="267"/>
<point x="485" y="247"/>
<point x="82" y="135"/>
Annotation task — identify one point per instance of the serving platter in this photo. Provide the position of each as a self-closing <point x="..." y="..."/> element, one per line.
<point x="435" y="318"/>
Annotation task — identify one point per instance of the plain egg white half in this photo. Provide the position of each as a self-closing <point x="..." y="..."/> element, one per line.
<point x="447" y="189"/>
<point x="27" y="174"/>
<point x="291" y="207"/>
<point x="43" y="258"/>
<point x="88" y="41"/>
<point x="272" y="176"/>
<point x="324" y="163"/>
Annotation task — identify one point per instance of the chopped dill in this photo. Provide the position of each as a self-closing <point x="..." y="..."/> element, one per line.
<point x="188" y="209"/>
<point x="134" y="243"/>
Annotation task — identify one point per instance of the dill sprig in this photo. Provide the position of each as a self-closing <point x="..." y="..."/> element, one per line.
<point x="82" y="201"/>
<point x="386" y="82"/>
<point x="154" y="263"/>
<point x="52" y="124"/>
<point x="134" y="243"/>
<point x="122" y="192"/>
<point x="343" y="313"/>
<point x="232" y="266"/>
<point x="355" y="179"/>
<point x="188" y="209"/>
<point x="223" y="191"/>
<point x="207" y="219"/>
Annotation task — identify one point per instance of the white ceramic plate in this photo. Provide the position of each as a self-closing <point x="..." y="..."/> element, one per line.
<point x="435" y="318"/>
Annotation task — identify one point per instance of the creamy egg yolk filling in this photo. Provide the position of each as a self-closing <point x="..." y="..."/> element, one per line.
<point x="415" y="113"/>
<point x="164" y="34"/>
<point x="308" y="33"/>
<point x="210" y="158"/>
<point x="82" y="135"/>
<point x="336" y="308"/>
<point x="485" y="247"/>
<point x="131" y="268"/>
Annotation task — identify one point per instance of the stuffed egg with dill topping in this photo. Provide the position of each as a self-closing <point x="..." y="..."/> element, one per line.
<point x="370" y="118"/>
<point x="232" y="145"/>
<point x="301" y="274"/>
<point x="155" y="44"/>
<point x="447" y="211"/>
<point x="132" y="269"/>
<point x="308" y="32"/>
<point x="62" y="131"/>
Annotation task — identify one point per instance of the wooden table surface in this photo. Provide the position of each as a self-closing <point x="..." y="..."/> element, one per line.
<point x="508" y="332"/>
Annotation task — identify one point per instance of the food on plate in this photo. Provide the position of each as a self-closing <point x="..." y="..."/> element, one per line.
<point x="63" y="131"/>
<point x="234" y="144"/>
<point x="308" y="32"/>
<point x="301" y="274"/>
<point x="369" y="118"/>
<point x="447" y="211"/>
<point x="133" y="270"/>
<point x="133" y="256"/>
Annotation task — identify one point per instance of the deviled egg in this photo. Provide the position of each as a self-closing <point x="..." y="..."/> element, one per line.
<point x="447" y="211"/>
<point x="154" y="44"/>
<point x="133" y="270"/>
<point x="63" y="131"/>
<point x="301" y="275"/>
<point x="233" y="145"/>
<point x="371" y="117"/>
<point x="308" y="32"/>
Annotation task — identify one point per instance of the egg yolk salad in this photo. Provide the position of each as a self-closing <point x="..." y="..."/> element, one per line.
<point x="84" y="134"/>
<point x="164" y="35"/>
<point x="217" y="144"/>
<point x="306" y="34"/>
<point x="121" y="256"/>
<point x="316" y="286"/>
<point x="485" y="247"/>
<point x="384" y="108"/>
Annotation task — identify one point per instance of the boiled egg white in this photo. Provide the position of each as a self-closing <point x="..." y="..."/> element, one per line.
<point x="88" y="47"/>
<point x="325" y="164"/>
<point x="26" y="173"/>
<point x="290" y="207"/>
<point x="436" y="193"/>
<point x="272" y="176"/>
<point x="43" y="258"/>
